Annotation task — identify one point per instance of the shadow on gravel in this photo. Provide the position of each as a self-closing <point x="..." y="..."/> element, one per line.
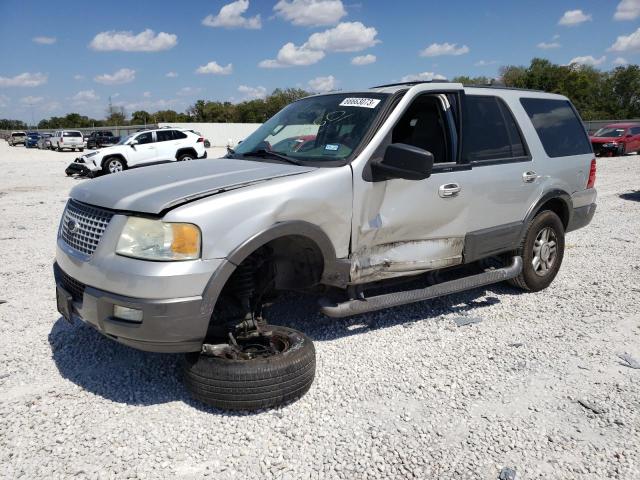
<point x="633" y="196"/>
<point x="125" y="375"/>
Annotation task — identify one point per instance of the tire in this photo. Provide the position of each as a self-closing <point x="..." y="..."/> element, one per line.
<point x="81" y="149"/>
<point x="532" y="278"/>
<point x="59" y="148"/>
<point x="256" y="383"/>
<point x="185" y="157"/>
<point x="622" y="149"/>
<point x="114" y="165"/>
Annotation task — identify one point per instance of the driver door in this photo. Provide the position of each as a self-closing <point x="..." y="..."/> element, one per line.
<point x="144" y="151"/>
<point x="401" y="227"/>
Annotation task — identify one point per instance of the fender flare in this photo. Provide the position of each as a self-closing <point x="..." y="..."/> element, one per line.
<point x="190" y="150"/>
<point x="549" y="195"/>
<point x="118" y="155"/>
<point x="335" y="271"/>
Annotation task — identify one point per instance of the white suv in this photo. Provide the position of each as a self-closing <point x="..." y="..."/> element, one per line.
<point x="71" y="139"/>
<point x="148" y="147"/>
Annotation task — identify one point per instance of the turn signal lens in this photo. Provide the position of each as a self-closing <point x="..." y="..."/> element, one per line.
<point x="186" y="239"/>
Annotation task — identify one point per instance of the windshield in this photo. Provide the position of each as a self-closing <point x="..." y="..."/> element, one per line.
<point x="71" y="134"/>
<point x="317" y="129"/>
<point x="18" y="134"/>
<point x="609" y="132"/>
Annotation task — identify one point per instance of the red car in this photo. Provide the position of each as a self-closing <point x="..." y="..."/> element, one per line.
<point x="616" y="139"/>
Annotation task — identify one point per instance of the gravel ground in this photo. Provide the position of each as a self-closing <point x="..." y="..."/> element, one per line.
<point x="404" y="393"/>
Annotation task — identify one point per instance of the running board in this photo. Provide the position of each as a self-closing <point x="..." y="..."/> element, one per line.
<point x="355" y="307"/>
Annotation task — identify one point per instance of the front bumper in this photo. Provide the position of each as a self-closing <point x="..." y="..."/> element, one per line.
<point x="168" y="325"/>
<point x="606" y="149"/>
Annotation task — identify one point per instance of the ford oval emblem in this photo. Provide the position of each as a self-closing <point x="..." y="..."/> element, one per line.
<point x="72" y="226"/>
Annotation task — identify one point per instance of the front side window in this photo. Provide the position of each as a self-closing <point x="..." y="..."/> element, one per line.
<point x="144" y="138"/>
<point x="489" y="131"/>
<point x="317" y="129"/>
<point x="424" y="125"/>
<point x="635" y="131"/>
<point x="559" y="128"/>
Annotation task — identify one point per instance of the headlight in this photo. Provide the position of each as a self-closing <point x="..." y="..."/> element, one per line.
<point x="157" y="240"/>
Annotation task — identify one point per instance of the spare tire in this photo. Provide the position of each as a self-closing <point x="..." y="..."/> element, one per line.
<point x="265" y="370"/>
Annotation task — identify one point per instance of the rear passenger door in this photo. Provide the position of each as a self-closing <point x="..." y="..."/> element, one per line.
<point x="166" y="145"/>
<point x="504" y="181"/>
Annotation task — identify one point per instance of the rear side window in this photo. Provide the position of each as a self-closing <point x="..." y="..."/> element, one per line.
<point x="489" y="131"/>
<point x="635" y="131"/>
<point x="164" y="135"/>
<point x="178" y="135"/>
<point x="559" y="128"/>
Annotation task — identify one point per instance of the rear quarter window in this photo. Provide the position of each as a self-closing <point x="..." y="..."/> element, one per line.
<point x="560" y="129"/>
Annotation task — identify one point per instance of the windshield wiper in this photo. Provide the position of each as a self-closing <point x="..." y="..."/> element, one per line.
<point x="262" y="153"/>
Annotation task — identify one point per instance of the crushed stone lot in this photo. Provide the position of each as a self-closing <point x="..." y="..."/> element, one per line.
<point x="532" y="382"/>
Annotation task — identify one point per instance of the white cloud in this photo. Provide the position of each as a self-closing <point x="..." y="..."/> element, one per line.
<point x="363" y="60"/>
<point x="78" y="77"/>
<point x="213" y="68"/>
<point x="85" y="96"/>
<point x="230" y="16"/>
<point x="148" y="105"/>
<point x="620" y="61"/>
<point x="291" y="55"/>
<point x="438" y="49"/>
<point x="251" y="93"/>
<point x="24" y="80"/>
<point x="574" y="17"/>
<point x="188" y="91"/>
<point x="29" y="100"/>
<point x="485" y="63"/>
<point x="146" y="94"/>
<point x="171" y="75"/>
<point x="124" y="75"/>
<point x="424" y="76"/>
<point x="45" y="40"/>
<point x="145" y="41"/>
<point x="310" y="12"/>
<point x="627" y="43"/>
<point x="627" y="10"/>
<point x="548" y="45"/>
<point x="346" y="37"/>
<point x="323" y="84"/>
<point x="588" y="60"/>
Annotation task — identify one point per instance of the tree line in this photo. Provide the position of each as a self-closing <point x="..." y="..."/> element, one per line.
<point x="598" y="95"/>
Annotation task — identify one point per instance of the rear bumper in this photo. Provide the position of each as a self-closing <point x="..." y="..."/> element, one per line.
<point x="204" y="155"/>
<point x="168" y="325"/>
<point x="581" y="217"/>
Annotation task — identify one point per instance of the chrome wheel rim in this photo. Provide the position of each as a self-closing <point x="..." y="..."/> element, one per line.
<point x="115" y="166"/>
<point x="545" y="251"/>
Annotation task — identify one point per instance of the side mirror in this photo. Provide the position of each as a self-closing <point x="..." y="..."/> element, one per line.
<point x="133" y="143"/>
<point x="403" y="161"/>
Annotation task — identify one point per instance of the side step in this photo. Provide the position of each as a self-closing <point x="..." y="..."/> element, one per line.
<point x="355" y="307"/>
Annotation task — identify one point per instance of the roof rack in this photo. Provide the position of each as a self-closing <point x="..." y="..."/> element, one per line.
<point x="415" y="82"/>
<point x="502" y="87"/>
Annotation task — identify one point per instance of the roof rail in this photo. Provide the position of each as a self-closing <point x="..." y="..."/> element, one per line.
<point x="415" y="82"/>
<point x="502" y="87"/>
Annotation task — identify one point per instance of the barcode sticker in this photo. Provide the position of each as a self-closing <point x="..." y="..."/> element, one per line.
<point x="360" y="102"/>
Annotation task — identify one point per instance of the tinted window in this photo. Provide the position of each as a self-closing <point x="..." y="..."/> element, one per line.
<point x="144" y="138"/>
<point x="559" y="128"/>
<point x="490" y="132"/>
<point x="178" y="135"/>
<point x="72" y="134"/>
<point x="164" y="135"/>
<point x="635" y="131"/>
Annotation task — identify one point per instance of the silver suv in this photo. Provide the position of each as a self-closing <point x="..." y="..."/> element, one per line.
<point x="343" y="194"/>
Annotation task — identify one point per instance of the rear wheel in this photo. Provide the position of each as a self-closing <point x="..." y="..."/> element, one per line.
<point x="542" y="251"/>
<point x="185" y="157"/>
<point x="622" y="149"/>
<point x="265" y="368"/>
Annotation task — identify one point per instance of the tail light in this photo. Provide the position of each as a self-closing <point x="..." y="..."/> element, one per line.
<point x="61" y="140"/>
<point x="200" y="140"/>
<point x="592" y="175"/>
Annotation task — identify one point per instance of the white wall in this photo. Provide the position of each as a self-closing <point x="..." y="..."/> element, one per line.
<point x="219" y="134"/>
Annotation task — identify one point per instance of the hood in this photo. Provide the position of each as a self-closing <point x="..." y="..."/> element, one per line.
<point x="155" y="189"/>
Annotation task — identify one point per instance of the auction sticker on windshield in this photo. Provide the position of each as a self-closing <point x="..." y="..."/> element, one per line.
<point x="360" y="102"/>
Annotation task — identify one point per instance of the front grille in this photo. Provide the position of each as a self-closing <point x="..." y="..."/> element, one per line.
<point x="70" y="284"/>
<point x="83" y="225"/>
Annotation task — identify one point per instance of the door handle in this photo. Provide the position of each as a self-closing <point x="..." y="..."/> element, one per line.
<point x="449" y="190"/>
<point x="529" y="177"/>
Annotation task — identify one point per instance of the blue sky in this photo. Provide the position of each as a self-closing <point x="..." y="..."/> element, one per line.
<point x="71" y="56"/>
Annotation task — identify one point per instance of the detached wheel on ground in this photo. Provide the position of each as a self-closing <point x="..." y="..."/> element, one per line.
<point x="262" y="371"/>
<point x="113" y="165"/>
<point x="542" y="251"/>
